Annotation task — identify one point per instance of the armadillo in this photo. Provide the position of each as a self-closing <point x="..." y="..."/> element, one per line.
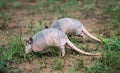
<point x="51" y="37"/>
<point x="70" y="25"/>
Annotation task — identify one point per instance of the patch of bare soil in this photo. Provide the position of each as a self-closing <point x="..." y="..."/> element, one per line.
<point x="46" y="65"/>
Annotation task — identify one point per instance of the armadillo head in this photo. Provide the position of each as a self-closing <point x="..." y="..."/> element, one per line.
<point x="28" y="47"/>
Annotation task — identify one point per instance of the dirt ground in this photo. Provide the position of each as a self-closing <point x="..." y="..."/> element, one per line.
<point x="21" y="20"/>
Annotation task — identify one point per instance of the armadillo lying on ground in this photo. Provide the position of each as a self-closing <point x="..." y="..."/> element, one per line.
<point x="50" y="37"/>
<point x="70" y="25"/>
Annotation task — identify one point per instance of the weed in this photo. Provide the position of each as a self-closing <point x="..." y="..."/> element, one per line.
<point x="41" y="26"/>
<point x="111" y="43"/>
<point x="30" y="27"/>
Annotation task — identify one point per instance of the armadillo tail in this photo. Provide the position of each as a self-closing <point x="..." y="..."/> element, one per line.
<point x="80" y="51"/>
<point x="89" y="35"/>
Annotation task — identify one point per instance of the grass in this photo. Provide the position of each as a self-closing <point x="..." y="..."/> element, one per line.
<point x="71" y="70"/>
<point x="41" y="64"/>
<point x="30" y="27"/>
<point x="3" y="3"/>
<point x="78" y="65"/>
<point x="107" y="64"/>
<point x="49" y="52"/>
<point x="89" y="5"/>
<point x="13" y="4"/>
<point x="14" y="51"/>
<point x="110" y="61"/>
<point x="41" y="25"/>
<point x="5" y="16"/>
<point x="58" y="65"/>
<point x="16" y="4"/>
<point x="111" y="7"/>
<point x="53" y="6"/>
<point x="112" y="11"/>
<point x="116" y="19"/>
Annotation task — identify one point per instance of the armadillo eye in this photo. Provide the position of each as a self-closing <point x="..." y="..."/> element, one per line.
<point x="29" y="42"/>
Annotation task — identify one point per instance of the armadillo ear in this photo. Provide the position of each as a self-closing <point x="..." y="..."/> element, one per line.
<point x="31" y="39"/>
<point x="46" y="26"/>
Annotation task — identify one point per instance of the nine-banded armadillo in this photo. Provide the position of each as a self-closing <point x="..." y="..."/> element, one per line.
<point x="50" y="37"/>
<point x="70" y="25"/>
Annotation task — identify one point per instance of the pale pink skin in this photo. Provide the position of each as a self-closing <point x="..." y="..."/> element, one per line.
<point x="69" y="25"/>
<point x="50" y="37"/>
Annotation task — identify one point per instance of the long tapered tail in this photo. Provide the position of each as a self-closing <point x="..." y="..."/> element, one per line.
<point x="89" y="35"/>
<point x="80" y="51"/>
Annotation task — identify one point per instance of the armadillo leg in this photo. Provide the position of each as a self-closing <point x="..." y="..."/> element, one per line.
<point x="63" y="51"/>
<point x="83" y="36"/>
